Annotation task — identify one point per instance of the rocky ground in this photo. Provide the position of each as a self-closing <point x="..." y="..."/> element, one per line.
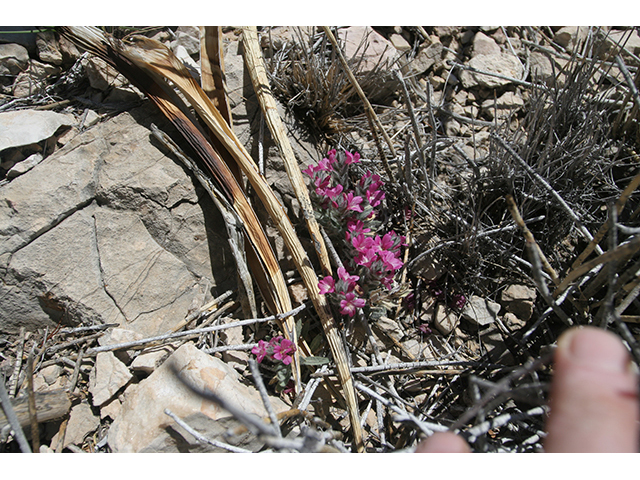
<point x="106" y="239"/>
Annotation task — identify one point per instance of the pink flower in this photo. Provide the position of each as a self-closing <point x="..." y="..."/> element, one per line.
<point x="352" y="203"/>
<point x="310" y="170"/>
<point x="375" y="197"/>
<point x="333" y="192"/>
<point x="260" y="350"/>
<point x="390" y="261"/>
<point x="350" y="303"/>
<point x="326" y="285"/>
<point x="361" y="243"/>
<point x="283" y="348"/>
<point x="367" y="257"/>
<point x="351" y="158"/>
<point x="325" y="164"/>
<point x="356" y="227"/>
<point x="350" y="280"/>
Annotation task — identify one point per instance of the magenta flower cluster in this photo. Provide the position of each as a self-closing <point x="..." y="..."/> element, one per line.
<point x="278" y="348"/>
<point x="349" y="215"/>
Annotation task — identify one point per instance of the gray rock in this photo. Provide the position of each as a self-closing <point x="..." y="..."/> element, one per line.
<point x="519" y="299"/>
<point x="25" y="165"/>
<point x="426" y="58"/>
<point x="366" y="42"/>
<point x="101" y="75"/>
<point x="48" y="49"/>
<point x="630" y="41"/>
<point x="14" y="59"/>
<point x="484" y="45"/>
<point x="480" y="311"/>
<point x="82" y="422"/>
<point x="570" y="37"/>
<point x="142" y="424"/>
<point x="189" y="38"/>
<point x="34" y="80"/>
<point x="89" y="218"/>
<point x="446" y="320"/>
<point x="502" y="63"/>
<point x="108" y="376"/>
<point x="25" y="127"/>
<point x="502" y="106"/>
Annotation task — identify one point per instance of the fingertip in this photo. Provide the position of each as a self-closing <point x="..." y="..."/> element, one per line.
<point x="443" y="442"/>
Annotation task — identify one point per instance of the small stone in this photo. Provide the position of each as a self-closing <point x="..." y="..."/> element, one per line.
<point x="150" y="359"/>
<point x="111" y="409"/>
<point x="399" y="43"/>
<point x="504" y="105"/>
<point x="480" y="311"/>
<point x="189" y="38"/>
<point x="120" y="335"/>
<point x="108" y="376"/>
<point x="25" y="127"/>
<point x="446" y="320"/>
<point x="25" y="165"/>
<point x="14" y="59"/>
<point x="570" y="37"/>
<point x="91" y="118"/>
<point x="501" y="63"/>
<point x="101" y="75"/>
<point x="519" y="299"/>
<point x="484" y="45"/>
<point x="48" y="50"/>
<point x="82" y="422"/>
<point x="365" y="42"/>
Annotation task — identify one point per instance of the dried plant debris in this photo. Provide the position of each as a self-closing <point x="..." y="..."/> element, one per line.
<point x="505" y="158"/>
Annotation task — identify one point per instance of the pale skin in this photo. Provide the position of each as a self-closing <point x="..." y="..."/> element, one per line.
<point x="593" y="399"/>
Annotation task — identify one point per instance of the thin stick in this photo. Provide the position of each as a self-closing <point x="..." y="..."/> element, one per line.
<point x="33" y="413"/>
<point x="202" y="438"/>
<point x="76" y="372"/>
<point x="195" y="332"/>
<point x="13" y="419"/>
<point x="257" y="379"/>
<point x="13" y="383"/>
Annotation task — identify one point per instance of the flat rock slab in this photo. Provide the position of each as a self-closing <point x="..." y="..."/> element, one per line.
<point x="108" y="229"/>
<point x="25" y="127"/>
<point x="480" y="311"/>
<point x="142" y="423"/>
<point x="108" y="376"/>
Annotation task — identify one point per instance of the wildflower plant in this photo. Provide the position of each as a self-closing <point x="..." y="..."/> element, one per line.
<point x="349" y="213"/>
<point x="278" y="350"/>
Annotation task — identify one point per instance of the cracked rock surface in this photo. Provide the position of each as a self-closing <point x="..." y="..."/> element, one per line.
<point x="108" y="229"/>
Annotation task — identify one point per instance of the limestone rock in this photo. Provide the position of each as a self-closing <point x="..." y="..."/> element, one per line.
<point x="503" y="106"/>
<point x="14" y="59"/>
<point x="446" y="320"/>
<point x="366" y="42"/>
<point x="499" y="63"/>
<point x="630" y="41"/>
<point x="24" y="166"/>
<point x="189" y="38"/>
<point x="484" y="45"/>
<point x="107" y="377"/>
<point x="75" y="228"/>
<point x="25" y="127"/>
<point x="426" y="58"/>
<point x="120" y="335"/>
<point x="480" y="311"/>
<point x="519" y="299"/>
<point x="48" y="49"/>
<point x="150" y="358"/>
<point x="142" y="419"/>
<point x="541" y="68"/>
<point x="101" y="75"/>
<point x="34" y="80"/>
<point x="82" y="422"/>
<point x="570" y="37"/>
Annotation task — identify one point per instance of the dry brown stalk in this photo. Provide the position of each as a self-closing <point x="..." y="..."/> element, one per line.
<point x="255" y="65"/>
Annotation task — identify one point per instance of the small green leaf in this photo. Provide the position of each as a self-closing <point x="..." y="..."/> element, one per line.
<point x="314" y="361"/>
